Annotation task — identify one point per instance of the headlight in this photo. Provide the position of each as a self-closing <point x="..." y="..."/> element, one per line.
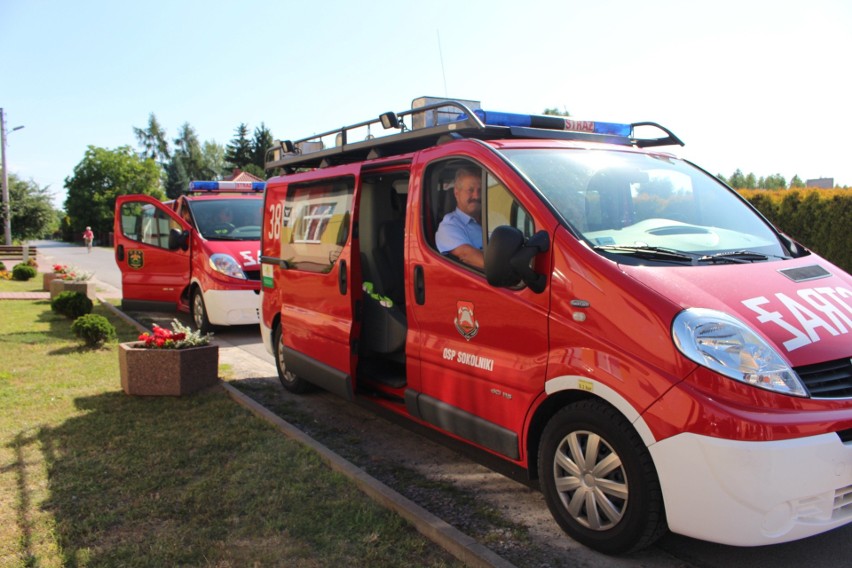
<point x="729" y="347"/>
<point x="226" y="264"/>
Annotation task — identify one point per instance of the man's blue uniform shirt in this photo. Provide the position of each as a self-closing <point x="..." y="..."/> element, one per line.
<point x="458" y="228"/>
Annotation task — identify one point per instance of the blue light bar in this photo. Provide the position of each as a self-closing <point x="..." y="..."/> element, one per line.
<point x="227" y="186"/>
<point x="492" y="118"/>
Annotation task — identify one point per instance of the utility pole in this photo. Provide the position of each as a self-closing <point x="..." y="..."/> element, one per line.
<point x="7" y="208"/>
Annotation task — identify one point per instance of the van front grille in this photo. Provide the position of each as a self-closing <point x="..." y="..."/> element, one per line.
<point x="832" y="379"/>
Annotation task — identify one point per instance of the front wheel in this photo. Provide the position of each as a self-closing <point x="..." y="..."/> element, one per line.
<point x="199" y="313"/>
<point x="598" y="479"/>
<point x="288" y="379"/>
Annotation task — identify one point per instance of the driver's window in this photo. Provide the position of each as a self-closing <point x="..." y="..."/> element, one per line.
<point x="463" y="196"/>
<point x="146" y="223"/>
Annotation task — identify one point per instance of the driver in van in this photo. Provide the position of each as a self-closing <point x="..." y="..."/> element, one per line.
<point x="460" y="231"/>
<point x="223" y="216"/>
<point x="222" y="222"/>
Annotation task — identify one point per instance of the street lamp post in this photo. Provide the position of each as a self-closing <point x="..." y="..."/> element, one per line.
<point x="7" y="209"/>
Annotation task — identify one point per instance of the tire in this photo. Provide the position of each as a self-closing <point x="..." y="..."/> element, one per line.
<point x="199" y="312"/>
<point x="612" y="504"/>
<point x="289" y="380"/>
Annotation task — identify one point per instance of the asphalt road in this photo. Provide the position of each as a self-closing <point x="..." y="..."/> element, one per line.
<point x="449" y="463"/>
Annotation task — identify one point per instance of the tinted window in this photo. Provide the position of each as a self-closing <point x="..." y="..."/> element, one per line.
<point x="315" y="223"/>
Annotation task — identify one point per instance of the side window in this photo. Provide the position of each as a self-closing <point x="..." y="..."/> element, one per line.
<point x="448" y="183"/>
<point x="145" y="223"/>
<point x="315" y="223"/>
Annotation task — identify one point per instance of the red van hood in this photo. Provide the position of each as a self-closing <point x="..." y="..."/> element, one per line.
<point x="802" y="306"/>
<point x="246" y="253"/>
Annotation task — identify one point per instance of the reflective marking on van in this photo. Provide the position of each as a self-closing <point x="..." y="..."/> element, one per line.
<point x="615" y="398"/>
<point x="822" y="312"/>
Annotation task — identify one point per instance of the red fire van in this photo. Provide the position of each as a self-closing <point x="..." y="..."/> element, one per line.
<point x="623" y="326"/>
<point x="198" y="253"/>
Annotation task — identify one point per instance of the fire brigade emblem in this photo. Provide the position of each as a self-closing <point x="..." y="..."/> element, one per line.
<point x="465" y="322"/>
<point x="135" y="259"/>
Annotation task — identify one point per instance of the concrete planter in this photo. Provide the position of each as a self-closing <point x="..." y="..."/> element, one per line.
<point x="46" y="279"/>
<point x="58" y="286"/>
<point x="167" y="372"/>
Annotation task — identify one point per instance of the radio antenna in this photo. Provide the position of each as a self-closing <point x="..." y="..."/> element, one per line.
<point x="441" y="55"/>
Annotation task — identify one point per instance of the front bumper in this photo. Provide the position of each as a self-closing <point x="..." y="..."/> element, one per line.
<point x="232" y="307"/>
<point x="754" y="493"/>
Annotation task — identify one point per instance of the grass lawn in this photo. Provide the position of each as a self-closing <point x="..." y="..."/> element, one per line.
<point x="92" y="477"/>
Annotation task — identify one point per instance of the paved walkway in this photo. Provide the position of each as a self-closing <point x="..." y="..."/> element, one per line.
<point x="24" y="295"/>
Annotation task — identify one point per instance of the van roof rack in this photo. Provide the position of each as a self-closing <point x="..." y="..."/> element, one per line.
<point x="427" y="124"/>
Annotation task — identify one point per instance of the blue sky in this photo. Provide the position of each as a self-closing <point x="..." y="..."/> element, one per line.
<point x="757" y="85"/>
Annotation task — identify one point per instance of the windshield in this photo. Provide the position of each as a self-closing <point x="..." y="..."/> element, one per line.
<point x="625" y="202"/>
<point x="228" y="219"/>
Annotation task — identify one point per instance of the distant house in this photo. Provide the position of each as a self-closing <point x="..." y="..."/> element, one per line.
<point x="821" y="183"/>
<point x="240" y="175"/>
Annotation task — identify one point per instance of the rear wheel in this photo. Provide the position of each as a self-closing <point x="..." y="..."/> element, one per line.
<point x="598" y="479"/>
<point x="288" y="379"/>
<point x="199" y="313"/>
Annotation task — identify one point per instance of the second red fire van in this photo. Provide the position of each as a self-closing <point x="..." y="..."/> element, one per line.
<point x="198" y="253"/>
<point x="565" y="295"/>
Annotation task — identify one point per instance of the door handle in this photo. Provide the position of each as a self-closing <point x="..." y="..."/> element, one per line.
<point x="119" y="253"/>
<point x="419" y="286"/>
<point x="341" y="277"/>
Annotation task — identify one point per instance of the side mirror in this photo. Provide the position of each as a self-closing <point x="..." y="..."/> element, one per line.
<point x="508" y="258"/>
<point x="178" y="239"/>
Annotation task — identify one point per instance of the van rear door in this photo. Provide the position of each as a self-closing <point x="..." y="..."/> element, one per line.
<point x="153" y="271"/>
<point x="314" y="280"/>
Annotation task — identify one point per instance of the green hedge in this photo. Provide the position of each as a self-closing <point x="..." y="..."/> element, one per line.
<point x="819" y="219"/>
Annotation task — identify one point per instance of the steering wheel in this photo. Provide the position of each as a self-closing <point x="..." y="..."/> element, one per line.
<point x="222" y="228"/>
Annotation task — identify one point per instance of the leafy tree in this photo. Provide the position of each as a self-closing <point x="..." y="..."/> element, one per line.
<point x="261" y="142"/>
<point x="214" y="157"/>
<point x="556" y="112"/>
<point x="153" y="140"/>
<point x="102" y="176"/>
<point x="737" y="179"/>
<point x="256" y="171"/>
<point x="191" y="161"/>
<point x="33" y="215"/>
<point x="796" y="182"/>
<point x="750" y="181"/>
<point x="722" y="178"/>
<point x="775" y="181"/>
<point x="238" y="152"/>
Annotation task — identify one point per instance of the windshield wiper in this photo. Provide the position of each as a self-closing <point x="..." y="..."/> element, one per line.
<point x="737" y="257"/>
<point x="650" y="253"/>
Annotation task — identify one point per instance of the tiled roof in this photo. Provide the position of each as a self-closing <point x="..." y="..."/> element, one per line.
<point x="239" y="175"/>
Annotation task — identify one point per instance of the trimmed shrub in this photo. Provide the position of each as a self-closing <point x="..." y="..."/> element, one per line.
<point x="23" y="272"/>
<point x="95" y="330"/>
<point x="71" y="304"/>
<point x="2" y="266"/>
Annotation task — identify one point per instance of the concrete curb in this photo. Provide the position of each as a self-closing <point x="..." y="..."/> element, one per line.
<point x="445" y="535"/>
<point x="460" y="545"/>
